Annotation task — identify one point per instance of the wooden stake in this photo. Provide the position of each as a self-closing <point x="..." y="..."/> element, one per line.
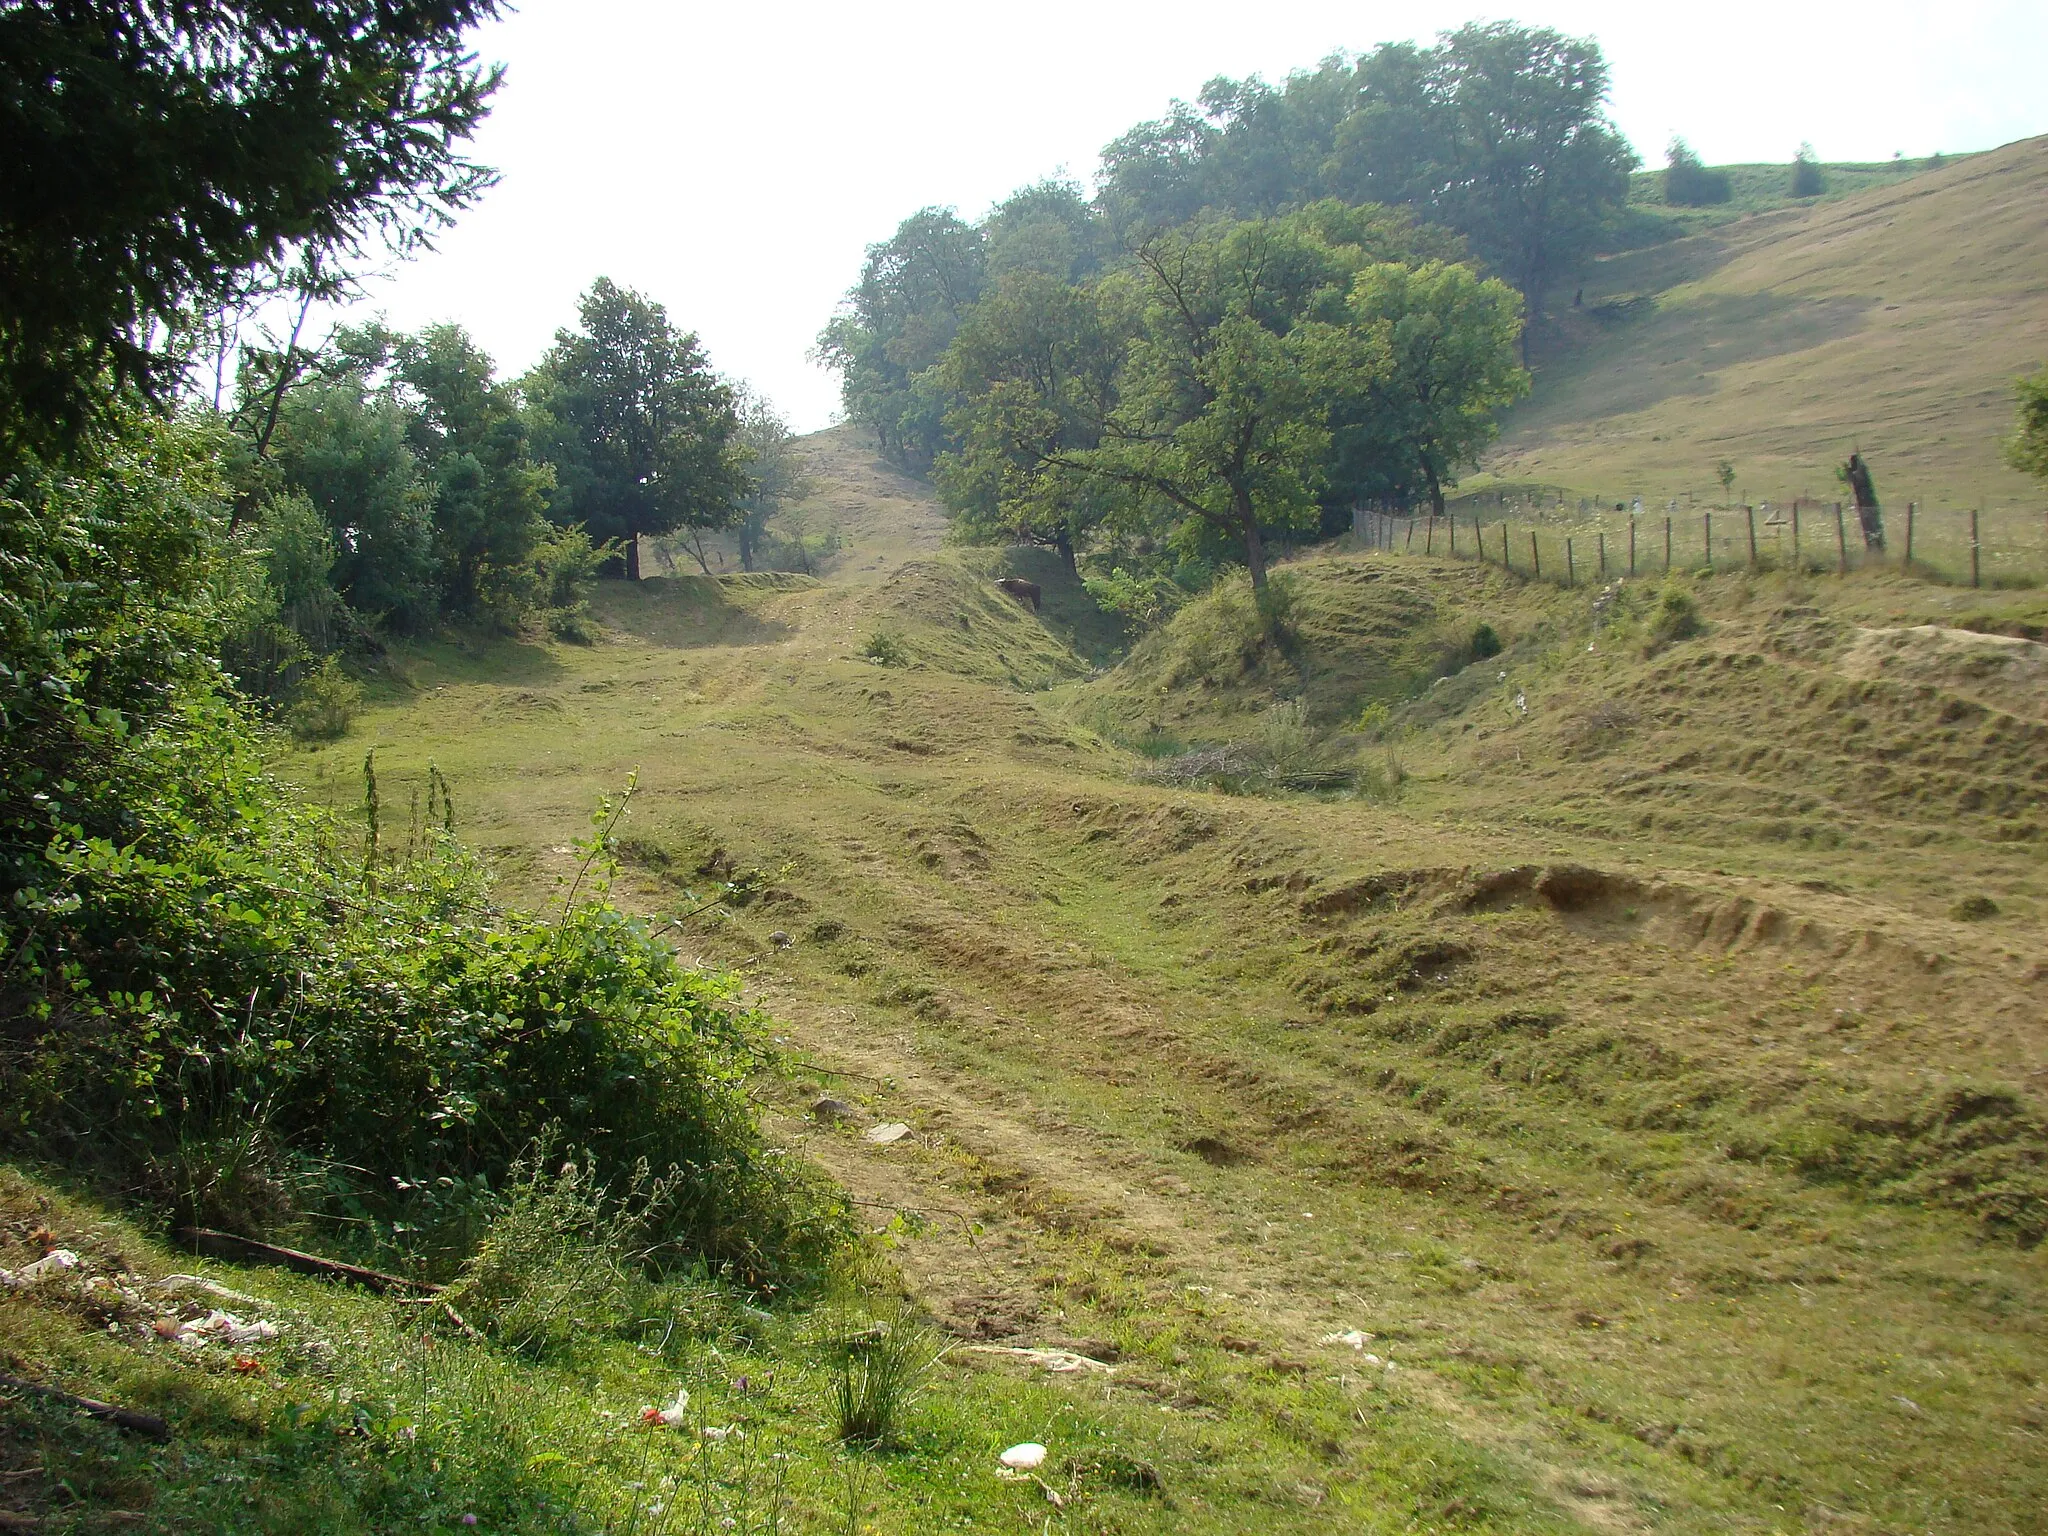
<point x="1507" y="559"/>
<point x="1909" y="535"/>
<point x="1535" y="555"/>
<point x="1571" y="570"/>
<point x="1667" y="545"/>
<point x="1751" y="513"/>
<point x="1429" y="537"/>
<point x="1795" y="533"/>
<point x="1631" y="546"/>
<point x="1410" y="545"/>
<point x="1708" y="524"/>
<point x="1603" y="554"/>
<point x="1973" y="547"/>
<point x="1841" y="541"/>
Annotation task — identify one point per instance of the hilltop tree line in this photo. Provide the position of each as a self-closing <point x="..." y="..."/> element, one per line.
<point x="1279" y="302"/>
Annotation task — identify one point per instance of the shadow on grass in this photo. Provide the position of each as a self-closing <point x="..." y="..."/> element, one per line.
<point x="684" y="612"/>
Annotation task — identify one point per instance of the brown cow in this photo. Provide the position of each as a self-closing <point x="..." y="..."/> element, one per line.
<point x="1022" y="590"/>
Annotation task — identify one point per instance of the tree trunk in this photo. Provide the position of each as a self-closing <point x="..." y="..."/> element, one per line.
<point x="1063" y="541"/>
<point x="633" y="555"/>
<point x="1254" y="546"/>
<point x="1436" y="489"/>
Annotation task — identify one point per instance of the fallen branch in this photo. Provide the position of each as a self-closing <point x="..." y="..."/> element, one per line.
<point x="246" y="1250"/>
<point x="125" y="1418"/>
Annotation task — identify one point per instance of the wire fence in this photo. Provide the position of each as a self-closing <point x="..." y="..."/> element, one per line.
<point x="1960" y="547"/>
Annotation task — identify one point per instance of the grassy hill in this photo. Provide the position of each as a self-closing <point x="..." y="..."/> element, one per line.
<point x="1622" y="1112"/>
<point x="1891" y="321"/>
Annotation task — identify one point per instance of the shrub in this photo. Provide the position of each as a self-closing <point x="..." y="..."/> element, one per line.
<point x="1807" y="180"/>
<point x="326" y="704"/>
<point x="1484" y="642"/>
<point x="1676" y="617"/>
<point x="884" y="647"/>
<point x="1688" y="183"/>
<point x="879" y="1371"/>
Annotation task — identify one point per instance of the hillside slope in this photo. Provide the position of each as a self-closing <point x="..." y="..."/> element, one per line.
<point x="1893" y="321"/>
<point x="1634" y="1123"/>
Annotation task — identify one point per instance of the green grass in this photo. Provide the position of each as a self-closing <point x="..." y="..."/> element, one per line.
<point x="1628" y="1076"/>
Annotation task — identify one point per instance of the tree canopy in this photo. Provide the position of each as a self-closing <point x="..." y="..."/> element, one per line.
<point x="1222" y="385"/>
<point x="2027" y="449"/>
<point x="643" y="434"/>
<point x="158" y="156"/>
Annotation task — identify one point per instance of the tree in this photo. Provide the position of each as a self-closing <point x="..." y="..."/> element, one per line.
<point x="2027" y="449"/>
<point x="775" y="468"/>
<point x="1448" y="338"/>
<point x="490" y="497"/>
<point x="158" y="155"/>
<point x="644" y="437"/>
<point x="1192" y="389"/>
<point x="1035" y="366"/>
<point x="1807" y="180"/>
<point x="1688" y="183"/>
<point x="897" y="321"/>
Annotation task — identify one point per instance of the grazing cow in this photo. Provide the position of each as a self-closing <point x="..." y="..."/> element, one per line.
<point x="1022" y="590"/>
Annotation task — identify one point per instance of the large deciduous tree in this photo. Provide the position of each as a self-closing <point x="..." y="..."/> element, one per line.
<point x="156" y="154"/>
<point x="1501" y="132"/>
<point x="897" y="322"/>
<point x="776" y="469"/>
<point x="643" y="435"/>
<point x="1447" y="338"/>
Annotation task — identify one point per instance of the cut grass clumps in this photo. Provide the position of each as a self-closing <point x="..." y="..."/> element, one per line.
<point x="1676" y="617"/>
<point x="880" y="1368"/>
<point x="1288" y="753"/>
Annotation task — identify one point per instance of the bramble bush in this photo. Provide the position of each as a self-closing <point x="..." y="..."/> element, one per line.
<point x="245" y="1010"/>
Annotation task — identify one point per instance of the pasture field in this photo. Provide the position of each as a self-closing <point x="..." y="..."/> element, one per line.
<point x="1620" y="1112"/>
<point x="1891" y="321"/>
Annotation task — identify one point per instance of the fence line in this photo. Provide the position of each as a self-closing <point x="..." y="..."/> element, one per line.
<point x="1948" y="547"/>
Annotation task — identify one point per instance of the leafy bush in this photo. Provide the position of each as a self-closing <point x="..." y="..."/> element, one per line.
<point x="885" y="649"/>
<point x="1484" y="642"/>
<point x="1676" y="617"/>
<point x="326" y="704"/>
<point x="1807" y="180"/>
<point x="1688" y="183"/>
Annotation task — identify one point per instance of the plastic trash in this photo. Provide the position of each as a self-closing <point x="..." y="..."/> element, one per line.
<point x="1353" y="1337"/>
<point x="669" y="1417"/>
<point x="1028" y="1457"/>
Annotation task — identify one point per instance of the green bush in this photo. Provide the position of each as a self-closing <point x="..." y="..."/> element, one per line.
<point x="885" y="649"/>
<point x="326" y="704"/>
<point x="1676" y="617"/>
<point x="1484" y="642"/>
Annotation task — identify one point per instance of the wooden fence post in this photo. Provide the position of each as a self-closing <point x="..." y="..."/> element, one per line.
<point x="1571" y="570"/>
<point x="1909" y="535"/>
<point x="1795" y="533"/>
<point x="1507" y="559"/>
<point x="1409" y="547"/>
<point x="1429" y="536"/>
<point x="1707" y="525"/>
<point x="1535" y="555"/>
<point x="1631" y="546"/>
<point x="1841" y="542"/>
<point x="1667" y="546"/>
<point x="1602" y="537"/>
<point x="1454" y="535"/>
<point x="1973" y="547"/>
<point x="1751" y="511"/>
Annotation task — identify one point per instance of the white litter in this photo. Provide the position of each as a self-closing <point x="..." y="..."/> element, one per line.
<point x="176" y="1283"/>
<point x="228" y="1328"/>
<point x="48" y="1267"/>
<point x="1028" y="1457"/>
<point x="1058" y="1361"/>
<point x="721" y="1433"/>
<point x="1353" y="1337"/>
<point x="670" y="1417"/>
<point x="882" y="1135"/>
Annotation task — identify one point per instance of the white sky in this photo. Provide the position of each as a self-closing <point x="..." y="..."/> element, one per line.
<point x="732" y="161"/>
